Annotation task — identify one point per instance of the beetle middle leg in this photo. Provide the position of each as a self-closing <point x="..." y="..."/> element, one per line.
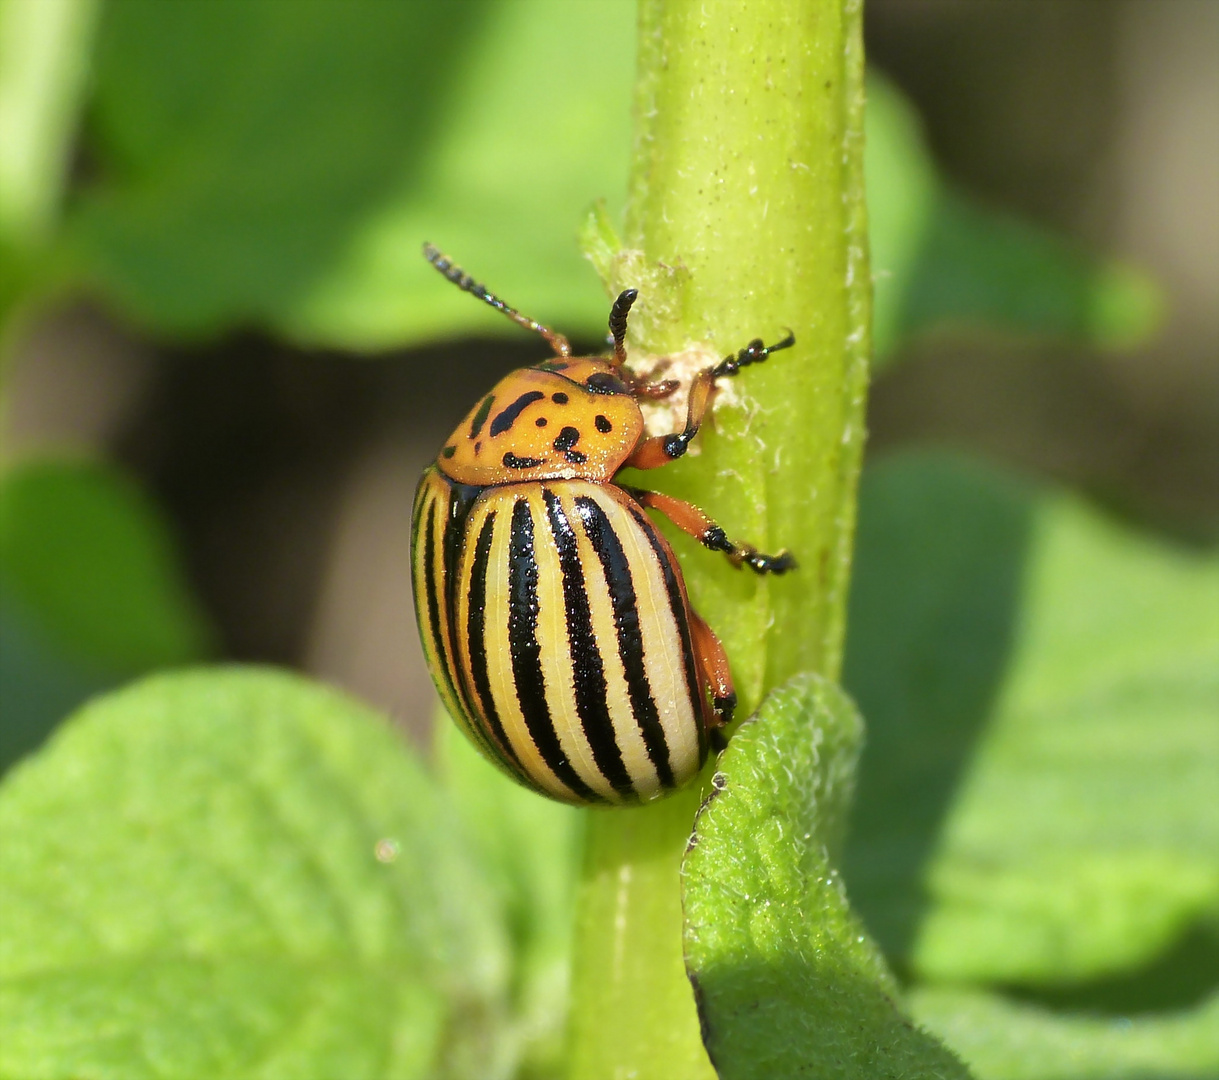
<point x="690" y="519"/>
<point x="659" y="450"/>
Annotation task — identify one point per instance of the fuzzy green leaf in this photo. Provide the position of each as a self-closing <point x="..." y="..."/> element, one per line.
<point x="1037" y="803"/>
<point x="87" y="561"/>
<point x="788" y="983"/>
<point x="282" y="163"/>
<point x="237" y="873"/>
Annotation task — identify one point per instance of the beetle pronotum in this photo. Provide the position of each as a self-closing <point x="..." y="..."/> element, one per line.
<point x="553" y="613"/>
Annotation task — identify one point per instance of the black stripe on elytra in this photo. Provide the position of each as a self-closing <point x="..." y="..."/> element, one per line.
<point x="505" y="419"/>
<point x="588" y="670"/>
<point x="527" y="653"/>
<point x="476" y="636"/>
<point x="457" y="510"/>
<point x="480" y="417"/>
<point x="678" y="606"/>
<point x="630" y="638"/>
<point x="433" y="598"/>
<point x="442" y="642"/>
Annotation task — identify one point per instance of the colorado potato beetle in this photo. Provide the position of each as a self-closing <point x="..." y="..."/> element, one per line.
<point x="553" y="613"/>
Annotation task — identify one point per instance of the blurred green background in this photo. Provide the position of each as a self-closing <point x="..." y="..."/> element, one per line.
<point x="225" y="364"/>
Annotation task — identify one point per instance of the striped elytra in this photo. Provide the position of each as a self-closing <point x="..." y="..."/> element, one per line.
<point x="553" y="614"/>
<point x="557" y="622"/>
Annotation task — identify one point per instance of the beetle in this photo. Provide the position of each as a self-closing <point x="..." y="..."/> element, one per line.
<point x="553" y="613"/>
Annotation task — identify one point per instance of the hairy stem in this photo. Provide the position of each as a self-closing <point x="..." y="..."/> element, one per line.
<point x="746" y="218"/>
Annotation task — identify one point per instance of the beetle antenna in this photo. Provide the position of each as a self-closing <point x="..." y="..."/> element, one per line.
<point x="466" y="283"/>
<point x="617" y="323"/>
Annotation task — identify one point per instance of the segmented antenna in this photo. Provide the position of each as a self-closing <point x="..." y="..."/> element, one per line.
<point x="617" y="323"/>
<point x="467" y="284"/>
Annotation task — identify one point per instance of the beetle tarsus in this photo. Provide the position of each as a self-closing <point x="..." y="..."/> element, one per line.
<point x="753" y="353"/>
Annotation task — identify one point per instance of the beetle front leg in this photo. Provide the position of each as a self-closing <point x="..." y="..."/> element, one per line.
<point x="690" y="519"/>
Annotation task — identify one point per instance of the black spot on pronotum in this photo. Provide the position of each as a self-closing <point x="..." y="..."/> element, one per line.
<point x="511" y="461"/>
<point x="603" y="424"/>
<point x="566" y="439"/>
<point x="602" y="382"/>
<point x="559" y="399"/>
<point x="505" y="419"/>
<point x="448" y="451"/>
<point x="541" y="421"/>
<point x="480" y="417"/>
<point x="575" y="457"/>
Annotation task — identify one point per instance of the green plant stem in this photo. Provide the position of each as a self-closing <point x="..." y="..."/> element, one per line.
<point x="746" y="217"/>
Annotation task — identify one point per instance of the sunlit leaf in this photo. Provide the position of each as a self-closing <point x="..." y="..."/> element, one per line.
<point x="237" y="873"/>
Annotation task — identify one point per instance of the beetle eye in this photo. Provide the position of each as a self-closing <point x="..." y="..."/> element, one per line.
<point x="602" y="382"/>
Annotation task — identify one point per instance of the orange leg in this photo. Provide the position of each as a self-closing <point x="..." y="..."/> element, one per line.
<point x="690" y="519"/>
<point x="659" y="450"/>
<point x="713" y="669"/>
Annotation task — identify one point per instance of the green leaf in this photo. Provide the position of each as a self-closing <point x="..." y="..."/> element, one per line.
<point x="787" y="981"/>
<point x="88" y="564"/>
<point x="281" y="164"/>
<point x="1005" y="1040"/>
<point x="238" y="873"/>
<point x="529" y="849"/>
<point x="295" y="191"/>
<point x="1037" y="802"/>
<point x="943" y="262"/>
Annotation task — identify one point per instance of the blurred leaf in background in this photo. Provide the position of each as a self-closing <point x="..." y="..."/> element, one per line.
<point x="941" y="261"/>
<point x="91" y="592"/>
<point x="278" y="165"/>
<point x="1036" y="806"/>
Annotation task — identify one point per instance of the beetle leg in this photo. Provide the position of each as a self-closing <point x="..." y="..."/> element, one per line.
<point x="659" y="450"/>
<point x="690" y="519"/>
<point x="713" y="670"/>
<point x="753" y="353"/>
<point x="653" y="391"/>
